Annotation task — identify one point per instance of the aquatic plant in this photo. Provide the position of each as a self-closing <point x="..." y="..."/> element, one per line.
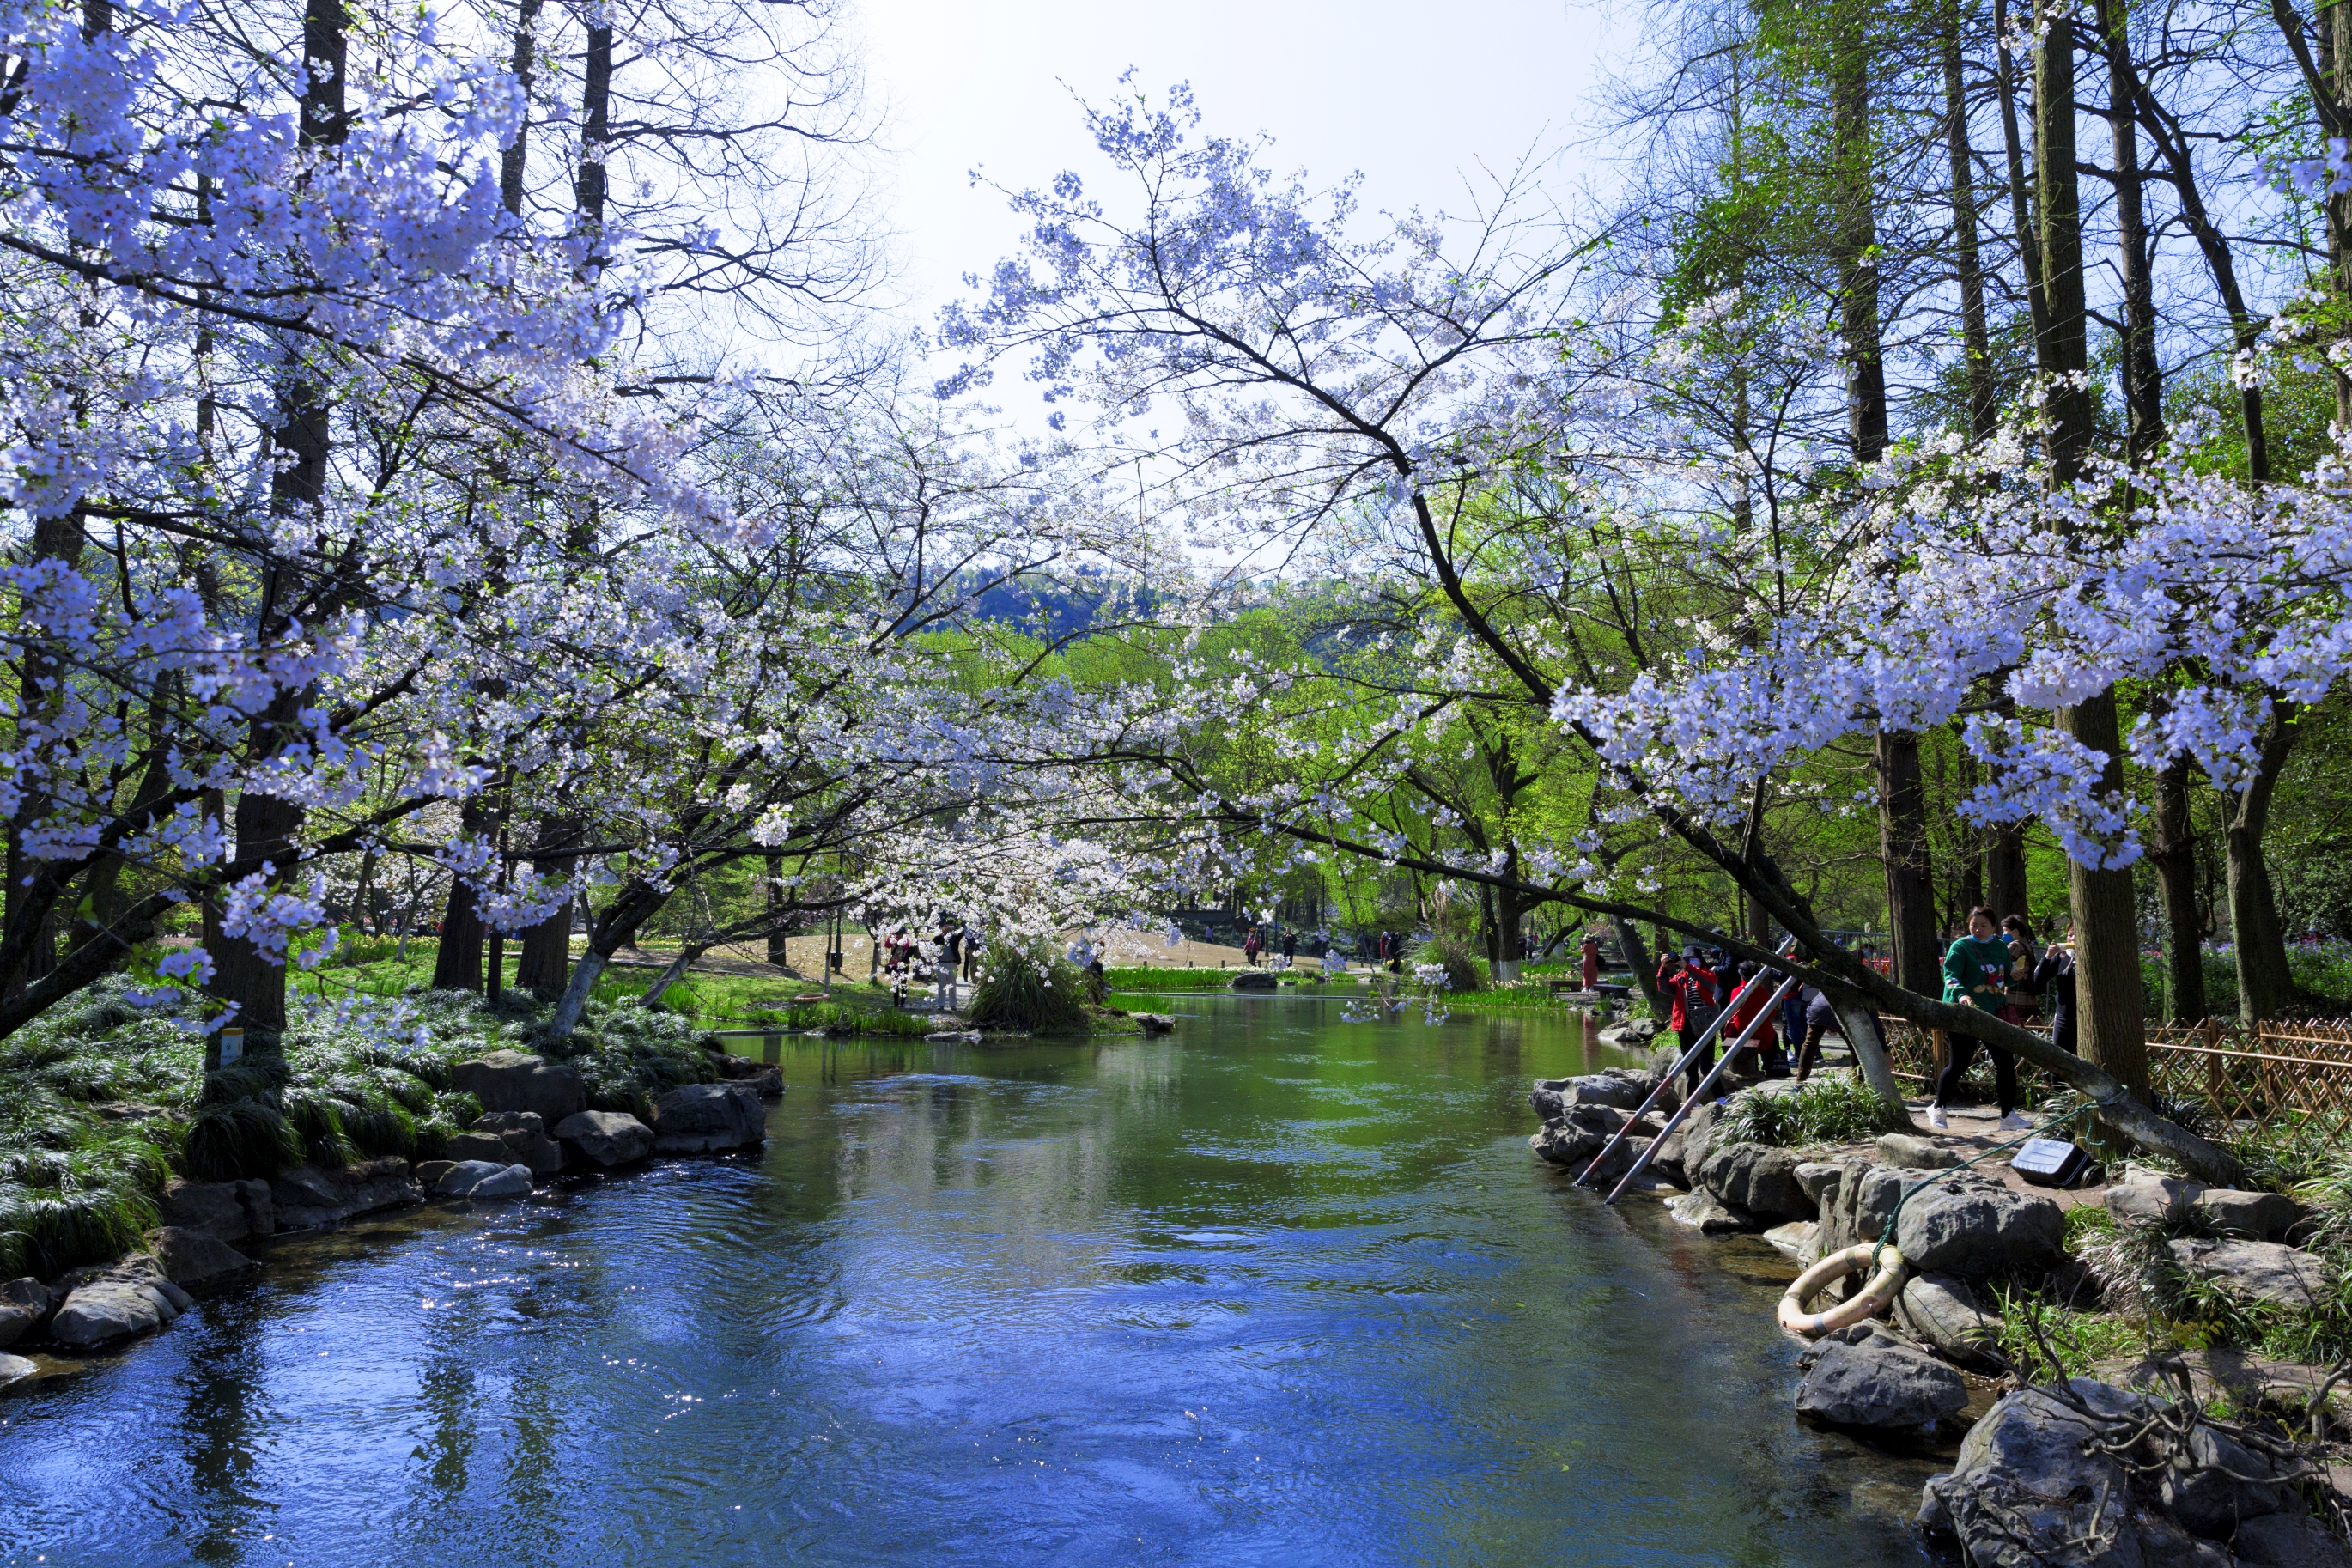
<point x="1028" y="988"/>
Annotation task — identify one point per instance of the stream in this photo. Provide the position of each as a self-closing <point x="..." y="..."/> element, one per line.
<point x="1278" y="1288"/>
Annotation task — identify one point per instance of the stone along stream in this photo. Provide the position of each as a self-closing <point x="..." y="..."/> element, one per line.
<point x="1280" y="1288"/>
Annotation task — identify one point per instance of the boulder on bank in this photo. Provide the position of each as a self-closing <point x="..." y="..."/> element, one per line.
<point x="524" y="1136"/>
<point x="604" y="1138"/>
<point x="1684" y="1150"/>
<point x="1712" y="1215"/>
<point x="226" y="1211"/>
<point x="115" y="1308"/>
<point x="1630" y="1035"/>
<point x="305" y="1198"/>
<point x="2257" y="1273"/>
<point x="704" y="1118"/>
<point x="1151" y="1022"/>
<point x="517" y="1080"/>
<point x="14" y="1369"/>
<point x="24" y="1304"/>
<point x="1256" y="979"/>
<point x="1820" y="1179"/>
<point x="2287" y="1540"/>
<point x="2152" y="1197"/>
<point x="1975" y="1227"/>
<point x="2223" y="1485"/>
<point x="482" y="1179"/>
<point x="2258" y="1216"/>
<point x="1908" y="1152"/>
<point x="1942" y="1311"/>
<point x="191" y="1260"/>
<point x="1756" y="1177"/>
<point x="1619" y="1088"/>
<point x="1867" y="1377"/>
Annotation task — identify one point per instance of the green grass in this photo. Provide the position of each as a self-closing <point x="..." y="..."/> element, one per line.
<point x="1029" y="990"/>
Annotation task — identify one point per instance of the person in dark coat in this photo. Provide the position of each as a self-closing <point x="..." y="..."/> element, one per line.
<point x="2053" y="978"/>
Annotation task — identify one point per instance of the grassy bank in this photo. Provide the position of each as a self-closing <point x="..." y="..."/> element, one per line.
<point x="100" y="1103"/>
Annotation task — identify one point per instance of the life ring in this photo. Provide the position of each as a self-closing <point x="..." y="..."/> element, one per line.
<point x="1837" y="1266"/>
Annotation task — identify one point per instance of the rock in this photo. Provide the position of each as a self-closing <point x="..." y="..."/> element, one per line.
<point x="476" y="1146"/>
<point x="136" y="1268"/>
<point x="525" y="1137"/>
<point x="2259" y="1216"/>
<point x="308" y="1199"/>
<point x="1906" y="1152"/>
<point x="702" y="1118"/>
<point x="1683" y="1150"/>
<point x="514" y="1182"/>
<point x="428" y="1172"/>
<point x="605" y="1138"/>
<point x="194" y="1257"/>
<point x="2024" y="1494"/>
<point x="1879" y="1383"/>
<point x="2221" y="1486"/>
<point x="1629" y="1036"/>
<point x="1256" y="979"/>
<point x="226" y="1211"/>
<point x="180" y="1299"/>
<point x="111" y="1310"/>
<point x="1756" y="1177"/>
<point x="516" y="1080"/>
<point x="1975" y="1227"/>
<point x="2265" y="1273"/>
<point x="14" y="1369"/>
<point x="2152" y="1197"/>
<point x="1795" y="1238"/>
<point x="1156" y="1023"/>
<point x="767" y="1085"/>
<point x="1818" y="1180"/>
<point x="1712" y="1215"/>
<point x="1940" y="1311"/>
<point x="24" y="1303"/>
<point x="463" y="1177"/>
<point x="1858" y="1209"/>
<point x="2288" y="1541"/>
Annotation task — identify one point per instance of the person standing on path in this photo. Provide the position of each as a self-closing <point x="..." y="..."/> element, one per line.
<point x="1976" y="975"/>
<point x="1591" y="961"/>
<point x="1250" y="946"/>
<point x="2022" y="998"/>
<point x="1693" y="991"/>
<point x="1289" y="947"/>
<point x="2055" y="977"/>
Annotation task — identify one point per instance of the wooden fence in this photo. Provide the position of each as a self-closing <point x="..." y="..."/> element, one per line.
<point x="2292" y="1076"/>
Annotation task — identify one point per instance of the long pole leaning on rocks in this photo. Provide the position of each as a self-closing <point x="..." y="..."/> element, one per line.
<point x="1690" y="1102"/>
<point x="1689" y="1055"/>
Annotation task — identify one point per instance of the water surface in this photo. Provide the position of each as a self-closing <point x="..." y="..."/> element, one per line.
<point x="1280" y="1288"/>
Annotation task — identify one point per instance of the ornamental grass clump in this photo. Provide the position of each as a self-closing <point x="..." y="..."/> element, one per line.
<point x="1028" y="988"/>
<point x="73" y="1190"/>
<point x="1463" y="969"/>
<point x="632" y="1056"/>
<point x="1821" y="1110"/>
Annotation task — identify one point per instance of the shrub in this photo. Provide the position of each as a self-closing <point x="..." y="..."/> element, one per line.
<point x="1464" y="969"/>
<point x="231" y="1140"/>
<point x="1821" y="1110"/>
<point x="89" y="1203"/>
<point x="1028" y="989"/>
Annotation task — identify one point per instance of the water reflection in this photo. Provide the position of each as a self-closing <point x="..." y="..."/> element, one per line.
<point x="1275" y="1289"/>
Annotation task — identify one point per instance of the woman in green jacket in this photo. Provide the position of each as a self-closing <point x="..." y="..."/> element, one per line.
<point x="1976" y="973"/>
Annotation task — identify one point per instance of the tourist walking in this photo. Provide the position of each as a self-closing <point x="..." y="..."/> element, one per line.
<point x="1250" y="946"/>
<point x="1821" y="1022"/>
<point x="1754" y="991"/>
<point x="1289" y="947"/>
<point x="1976" y="975"/>
<point x="1591" y="961"/>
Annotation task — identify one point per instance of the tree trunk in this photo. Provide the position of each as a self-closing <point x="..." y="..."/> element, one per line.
<point x="513" y="158"/>
<point x="1902" y="850"/>
<point x="2143" y="383"/>
<point x="780" y="951"/>
<point x="686" y="954"/>
<point x="2020" y="191"/>
<point x="1504" y="965"/>
<point x="2265" y="986"/>
<point x="2064" y="343"/>
<point x="2336" y="35"/>
<point x="2174" y="859"/>
<point x="2111" y="1007"/>
<point x="1855" y="238"/>
<point x="1976" y="341"/>
<point x="607" y="934"/>
<point x="458" y="965"/>
<point x="1629" y="942"/>
<point x="546" y="961"/>
<point x="40" y="688"/>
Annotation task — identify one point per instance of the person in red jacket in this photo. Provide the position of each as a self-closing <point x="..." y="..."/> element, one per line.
<point x="1591" y="961"/>
<point x="1746" y="1002"/>
<point x="1691" y="990"/>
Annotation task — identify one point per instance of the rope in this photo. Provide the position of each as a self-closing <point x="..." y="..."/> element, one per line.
<point x="1887" y="1236"/>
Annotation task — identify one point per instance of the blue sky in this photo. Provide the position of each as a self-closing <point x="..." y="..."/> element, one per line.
<point x="1411" y="95"/>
